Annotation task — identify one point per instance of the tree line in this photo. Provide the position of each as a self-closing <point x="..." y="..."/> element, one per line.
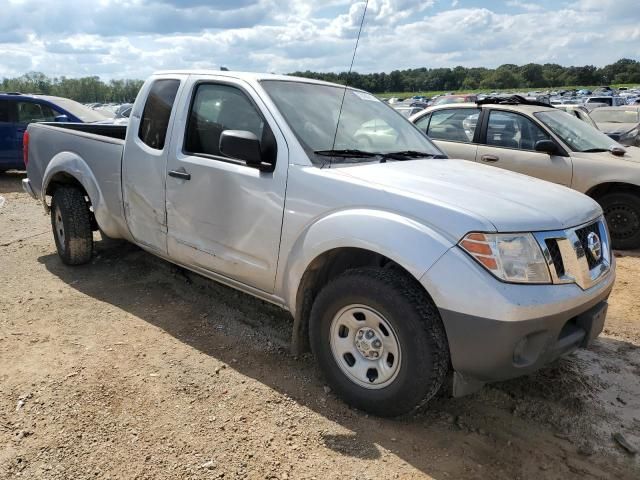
<point x="85" y="90"/>
<point x="508" y="76"/>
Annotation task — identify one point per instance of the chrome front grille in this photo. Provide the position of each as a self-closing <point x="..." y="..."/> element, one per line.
<point x="583" y="234"/>
<point x="555" y="256"/>
<point x="569" y="254"/>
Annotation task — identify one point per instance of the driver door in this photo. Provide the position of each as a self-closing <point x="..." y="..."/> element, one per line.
<point x="509" y="142"/>
<point x="224" y="216"/>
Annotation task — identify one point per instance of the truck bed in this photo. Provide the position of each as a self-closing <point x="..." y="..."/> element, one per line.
<point x="103" y="130"/>
<point x="91" y="153"/>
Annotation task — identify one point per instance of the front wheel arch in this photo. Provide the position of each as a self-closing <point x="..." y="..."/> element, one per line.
<point x="420" y="363"/>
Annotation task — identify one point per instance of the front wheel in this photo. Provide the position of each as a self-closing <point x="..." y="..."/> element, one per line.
<point x="71" y="224"/>
<point x="379" y="340"/>
<point x="622" y="212"/>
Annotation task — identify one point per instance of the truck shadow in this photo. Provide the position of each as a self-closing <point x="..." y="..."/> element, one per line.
<point x="11" y="181"/>
<point x="454" y="438"/>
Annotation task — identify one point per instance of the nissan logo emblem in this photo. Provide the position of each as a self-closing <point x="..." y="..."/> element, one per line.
<point x="594" y="246"/>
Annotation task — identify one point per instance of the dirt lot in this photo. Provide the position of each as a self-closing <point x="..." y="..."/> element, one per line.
<point x="130" y="368"/>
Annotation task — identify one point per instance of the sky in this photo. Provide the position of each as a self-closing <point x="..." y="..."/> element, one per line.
<point x="133" y="38"/>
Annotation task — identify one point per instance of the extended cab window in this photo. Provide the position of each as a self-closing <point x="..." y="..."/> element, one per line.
<point x="216" y="108"/>
<point x="35" y="112"/>
<point x="156" y="113"/>
<point x="453" y="125"/>
<point x="512" y="130"/>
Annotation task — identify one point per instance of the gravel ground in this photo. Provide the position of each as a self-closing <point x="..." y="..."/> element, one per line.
<point x="131" y="368"/>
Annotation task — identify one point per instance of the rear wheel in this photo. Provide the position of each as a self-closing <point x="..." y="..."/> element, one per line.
<point x="622" y="211"/>
<point x="71" y="224"/>
<point x="379" y="341"/>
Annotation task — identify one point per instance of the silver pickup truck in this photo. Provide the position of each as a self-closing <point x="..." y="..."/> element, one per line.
<point x="401" y="268"/>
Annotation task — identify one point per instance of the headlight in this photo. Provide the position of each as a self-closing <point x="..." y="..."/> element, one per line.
<point x="512" y="257"/>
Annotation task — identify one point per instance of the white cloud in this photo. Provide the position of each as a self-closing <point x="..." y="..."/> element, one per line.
<point x="529" y="7"/>
<point x="132" y="38"/>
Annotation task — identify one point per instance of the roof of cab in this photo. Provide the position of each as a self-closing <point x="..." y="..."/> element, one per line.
<point x="247" y="76"/>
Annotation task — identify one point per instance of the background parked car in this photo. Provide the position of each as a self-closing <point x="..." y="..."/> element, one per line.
<point x="124" y="110"/>
<point x="610" y="101"/>
<point x="620" y="123"/>
<point x="17" y="111"/>
<point x="446" y="99"/>
<point x="578" y="111"/>
<point x="407" y="111"/>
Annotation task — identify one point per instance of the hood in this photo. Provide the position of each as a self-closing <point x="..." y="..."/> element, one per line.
<point x="632" y="155"/>
<point x="618" y="128"/>
<point x="510" y="201"/>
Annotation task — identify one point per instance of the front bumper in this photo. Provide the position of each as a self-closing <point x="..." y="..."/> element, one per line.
<point x="26" y="186"/>
<point x="498" y="331"/>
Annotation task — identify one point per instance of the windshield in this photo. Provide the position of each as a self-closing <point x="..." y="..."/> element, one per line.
<point x="366" y="123"/>
<point x="615" y="116"/>
<point x="85" y="114"/>
<point x="579" y="136"/>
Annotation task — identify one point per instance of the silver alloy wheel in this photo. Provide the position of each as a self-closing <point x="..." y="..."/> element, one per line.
<point x="365" y="346"/>
<point x="59" y="226"/>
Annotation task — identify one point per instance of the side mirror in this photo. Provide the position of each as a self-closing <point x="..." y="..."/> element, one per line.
<point x="546" y="146"/>
<point x="242" y="145"/>
<point x="61" y="118"/>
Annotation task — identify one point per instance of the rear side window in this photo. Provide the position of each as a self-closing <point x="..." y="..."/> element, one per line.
<point x="29" y="112"/>
<point x="156" y="113"/>
<point x="454" y="125"/>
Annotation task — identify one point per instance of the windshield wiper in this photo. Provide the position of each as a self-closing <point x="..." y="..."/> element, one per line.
<point x="404" y="154"/>
<point x="407" y="155"/>
<point x="594" y="150"/>
<point x="347" y="153"/>
<point x="400" y="155"/>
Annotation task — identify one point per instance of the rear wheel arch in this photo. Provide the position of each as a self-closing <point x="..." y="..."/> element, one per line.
<point x="62" y="179"/>
<point x="66" y="180"/>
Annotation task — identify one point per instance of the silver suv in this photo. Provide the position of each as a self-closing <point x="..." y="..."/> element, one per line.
<point x="543" y="142"/>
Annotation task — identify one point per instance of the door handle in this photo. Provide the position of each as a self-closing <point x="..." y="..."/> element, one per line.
<point x="181" y="174"/>
<point x="489" y="158"/>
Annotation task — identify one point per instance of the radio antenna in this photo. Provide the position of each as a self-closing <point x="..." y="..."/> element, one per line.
<point x="344" y="92"/>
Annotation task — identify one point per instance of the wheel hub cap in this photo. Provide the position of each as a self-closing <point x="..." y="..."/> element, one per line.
<point x="368" y="343"/>
<point x="365" y="346"/>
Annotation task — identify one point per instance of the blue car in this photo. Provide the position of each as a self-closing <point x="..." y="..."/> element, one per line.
<point x="17" y="111"/>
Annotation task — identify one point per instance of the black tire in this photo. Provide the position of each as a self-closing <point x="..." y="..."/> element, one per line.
<point x="416" y="323"/>
<point x="71" y="225"/>
<point x="622" y="211"/>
